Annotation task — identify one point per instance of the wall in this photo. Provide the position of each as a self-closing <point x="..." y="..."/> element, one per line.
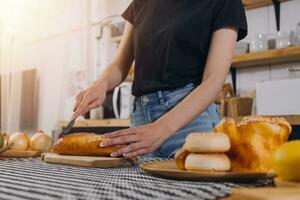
<point x="51" y="36"/>
<point x="59" y="36"/>
<point x="262" y="20"/>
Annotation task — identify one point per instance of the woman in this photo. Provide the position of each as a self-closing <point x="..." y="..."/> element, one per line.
<point x="182" y="52"/>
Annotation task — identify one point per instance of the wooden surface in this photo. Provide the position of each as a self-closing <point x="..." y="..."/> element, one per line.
<point x="292" y="119"/>
<point x="20" y="154"/>
<point x="282" y="183"/>
<point x="251" y="4"/>
<point x="279" y="190"/>
<point x="275" y="56"/>
<point x="237" y="106"/>
<point x="266" y="194"/>
<point x="99" y="123"/>
<point x="168" y="169"/>
<point x="87" y="161"/>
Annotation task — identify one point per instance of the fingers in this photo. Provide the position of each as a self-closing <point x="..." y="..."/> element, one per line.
<point x="83" y="106"/>
<point x="94" y="104"/>
<point x="136" y="153"/>
<point x="119" y="133"/>
<point x="132" y="148"/>
<point x="120" y="140"/>
<point x="78" y="99"/>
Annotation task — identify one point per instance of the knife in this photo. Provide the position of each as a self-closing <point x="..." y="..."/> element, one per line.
<point x="67" y="129"/>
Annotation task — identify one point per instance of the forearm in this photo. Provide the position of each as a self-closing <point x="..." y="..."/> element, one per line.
<point x="117" y="71"/>
<point x="194" y="104"/>
<point x="112" y="76"/>
<point x="216" y="70"/>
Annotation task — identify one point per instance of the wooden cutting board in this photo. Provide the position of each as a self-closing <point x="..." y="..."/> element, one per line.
<point x="168" y="169"/>
<point x="88" y="161"/>
<point x="20" y="154"/>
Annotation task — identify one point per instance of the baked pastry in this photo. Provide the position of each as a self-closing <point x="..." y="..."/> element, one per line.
<point x="204" y="152"/>
<point x="180" y="157"/>
<point x="253" y="141"/>
<point x="207" y="162"/>
<point x="83" y="144"/>
<point x="207" y="143"/>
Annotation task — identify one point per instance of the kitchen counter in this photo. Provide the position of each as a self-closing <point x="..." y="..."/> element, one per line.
<point x="284" y="190"/>
<point x="97" y="126"/>
<point x="109" y="125"/>
<point x="34" y="179"/>
<point x="292" y="119"/>
<point x="98" y="123"/>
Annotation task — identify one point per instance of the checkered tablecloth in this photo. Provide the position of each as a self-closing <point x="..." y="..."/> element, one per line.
<point x="34" y="179"/>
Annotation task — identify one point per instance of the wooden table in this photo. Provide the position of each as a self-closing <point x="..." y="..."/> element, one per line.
<point x="284" y="190"/>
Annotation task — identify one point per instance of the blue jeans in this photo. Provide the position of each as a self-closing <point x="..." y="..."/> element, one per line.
<point x="149" y="107"/>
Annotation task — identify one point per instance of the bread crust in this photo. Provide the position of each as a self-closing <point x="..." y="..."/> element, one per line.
<point x="180" y="157"/>
<point x="254" y="140"/>
<point x="207" y="162"/>
<point x="207" y="143"/>
<point x="83" y="144"/>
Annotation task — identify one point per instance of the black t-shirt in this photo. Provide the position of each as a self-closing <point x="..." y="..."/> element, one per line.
<point x="172" y="38"/>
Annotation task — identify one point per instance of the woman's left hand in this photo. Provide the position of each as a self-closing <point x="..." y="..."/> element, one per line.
<point x="139" y="141"/>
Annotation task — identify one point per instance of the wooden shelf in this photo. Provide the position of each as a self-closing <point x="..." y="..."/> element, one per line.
<point x="270" y="57"/>
<point x="251" y="4"/>
<point x="98" y="123"/>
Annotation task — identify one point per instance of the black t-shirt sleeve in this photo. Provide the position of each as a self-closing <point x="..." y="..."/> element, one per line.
<point x="231" y="13"/>
<point x="130" y="13"/>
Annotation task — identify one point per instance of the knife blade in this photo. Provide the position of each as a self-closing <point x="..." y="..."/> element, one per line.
<point x="67" y="129"/>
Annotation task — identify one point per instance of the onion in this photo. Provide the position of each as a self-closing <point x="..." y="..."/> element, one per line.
<point x="6" y="137"/>
<point x="19" y="141"/>
<point x="40" y="142"/>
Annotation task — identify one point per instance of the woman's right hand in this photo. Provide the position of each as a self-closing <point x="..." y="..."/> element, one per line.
<point x="89" y="98"/>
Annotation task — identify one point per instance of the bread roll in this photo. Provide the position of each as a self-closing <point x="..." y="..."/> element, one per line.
<point x="180" y="157"/>
<point x="207" y="143"/>
<point x="207" y="162"/>
<point x="83" y="144"/>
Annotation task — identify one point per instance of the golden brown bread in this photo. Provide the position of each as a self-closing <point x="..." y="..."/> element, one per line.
<point x="202" y="144"/>
<point x="186" y="160"/>
<point x="180" y="157"/>
<point x="83" y="144"/>
<point x="253" y="141"/>
<point x="207" y="162"/>
<point x="207" y="143"/>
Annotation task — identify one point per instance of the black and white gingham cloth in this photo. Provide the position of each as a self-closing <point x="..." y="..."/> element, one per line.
<point x="33" y="179"/>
